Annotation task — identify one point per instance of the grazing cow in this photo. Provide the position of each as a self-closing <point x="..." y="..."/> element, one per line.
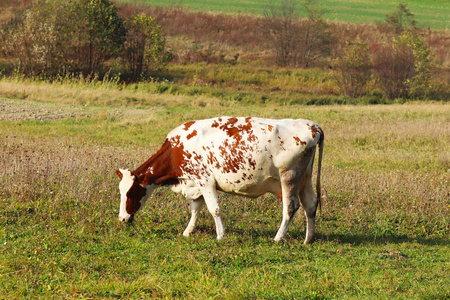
<point x="242" y="156"/>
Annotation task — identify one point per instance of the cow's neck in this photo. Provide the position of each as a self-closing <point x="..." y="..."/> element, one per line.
<point x="162" y="168"/>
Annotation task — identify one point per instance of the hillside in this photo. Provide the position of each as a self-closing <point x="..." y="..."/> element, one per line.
<point x="430" y="13"/>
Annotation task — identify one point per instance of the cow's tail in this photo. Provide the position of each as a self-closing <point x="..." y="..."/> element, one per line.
<point x="319" y="167"/>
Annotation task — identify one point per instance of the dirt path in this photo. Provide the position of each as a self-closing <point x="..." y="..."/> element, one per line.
<point x="25" y="110"/>
<point x="21" y="110"/>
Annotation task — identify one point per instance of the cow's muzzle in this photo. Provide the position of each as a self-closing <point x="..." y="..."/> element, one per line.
<point x="126" y="220"/>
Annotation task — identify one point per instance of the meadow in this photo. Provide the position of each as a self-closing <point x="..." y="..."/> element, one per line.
<point x="429" y="13"/>
<point x="383" y="231"/>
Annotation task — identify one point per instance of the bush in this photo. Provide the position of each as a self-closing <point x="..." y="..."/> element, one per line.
<point x="53" y="36"/>
<point x="32" y="38"/>
<point x="353" y="68"/>
<point x="314" y="37"/>
<point x="403" y="66"/>
<point x="95" y="33"/>
<point x="297" y="43"/>
<point x="399" y="20"/>
<point x="145" y="46"/>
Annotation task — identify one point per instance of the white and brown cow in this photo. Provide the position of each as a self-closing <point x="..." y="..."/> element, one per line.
<point x="242" y="156"/>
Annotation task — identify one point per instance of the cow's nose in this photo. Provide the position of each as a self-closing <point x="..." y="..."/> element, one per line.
<point x="123" y="220"/>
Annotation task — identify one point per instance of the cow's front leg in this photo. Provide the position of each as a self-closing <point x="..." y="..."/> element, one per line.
<point x="212" y="203"/>
<point x="196" y="206"/>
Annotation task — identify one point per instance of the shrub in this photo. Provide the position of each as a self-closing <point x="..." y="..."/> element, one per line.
<point x="399" y="20"/>
<point x="281" y="30"/>
<point x="32" y="38"/>
<point x="297" y="43"/>
<point x="53" y="36"/>
<point x="145" y="46"/>
<point x="353" y="68"/>
<point x="95" y="33"/>
<point x="403" y="66"/>
<point x="314" y="37"/>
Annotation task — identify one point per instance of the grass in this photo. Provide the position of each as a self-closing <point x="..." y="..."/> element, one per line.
<point x="192" y="84"/>
<point x="430" y="13"/>
<point x="383" y="231"/>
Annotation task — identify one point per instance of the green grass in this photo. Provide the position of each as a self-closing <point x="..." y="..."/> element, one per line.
<point x="383" y="231"/>
<point x="429" y="13"/>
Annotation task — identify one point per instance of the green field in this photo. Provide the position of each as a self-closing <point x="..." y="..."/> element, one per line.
<point x="430" y="13"/>
<point x="383" y="232"/>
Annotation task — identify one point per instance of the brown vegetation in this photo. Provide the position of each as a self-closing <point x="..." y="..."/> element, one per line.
<point x="193" y="37"/>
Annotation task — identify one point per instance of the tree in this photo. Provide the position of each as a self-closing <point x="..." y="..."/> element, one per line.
<point x="280" y="29"/>
<point x="297" y="42"/>
<point x="145" y="46"/>
<point x="353" y="68"/>
<point x="314" y="36"/>
<point x="95" y="33"/>
<point x="403" y="66"/>
<point x="32" y="37"/>
<point x="400" y="19"/>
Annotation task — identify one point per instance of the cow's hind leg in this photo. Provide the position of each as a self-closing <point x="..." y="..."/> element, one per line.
<point x="212" y="203"/>
<point x="290" y="185"/>
<point x="196" y="206"/>
<point x="309" y="203"/>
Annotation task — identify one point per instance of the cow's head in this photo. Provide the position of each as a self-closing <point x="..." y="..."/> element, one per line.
<point x="132" y="195"/>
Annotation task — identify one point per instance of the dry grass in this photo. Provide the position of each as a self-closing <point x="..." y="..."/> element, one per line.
<point x="82" y="94"/>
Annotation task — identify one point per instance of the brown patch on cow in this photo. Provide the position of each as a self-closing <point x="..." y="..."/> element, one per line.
<point x="134" y="197"/>
<point x="313" y="131"/>
<point x="298" y="141"/>
<point x="188" y="125"/>
<point x="235" y="150"/>
<point x="215" y="124"/>
<point x="270" y="127"/>
<point x="191" y="135"/>
<point x="164" y="164"/>
<point x="230" y="129"/>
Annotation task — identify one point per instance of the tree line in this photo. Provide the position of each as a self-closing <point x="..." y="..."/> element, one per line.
<point x="81" y="36"/>
<point x="86" y="36"/>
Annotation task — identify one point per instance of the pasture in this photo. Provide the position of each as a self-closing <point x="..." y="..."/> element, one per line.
<point x="383" y="231"/>
<point x="429" y="13"/>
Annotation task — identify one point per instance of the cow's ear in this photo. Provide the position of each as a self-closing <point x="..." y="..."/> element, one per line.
<point x="119" y="174"/>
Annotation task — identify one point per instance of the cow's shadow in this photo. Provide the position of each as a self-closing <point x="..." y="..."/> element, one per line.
<point x="351" y="238"/>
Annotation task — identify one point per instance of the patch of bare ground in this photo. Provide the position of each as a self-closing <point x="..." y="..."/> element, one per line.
<point x="26" y="110"/>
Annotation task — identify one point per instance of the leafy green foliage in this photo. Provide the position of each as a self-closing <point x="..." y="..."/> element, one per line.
<point x="52" y="37"/>
<point x="32" y="38"/>
<point x="403" y="66"/>
<point x="353" y="68"/>
<point x="96" y="33"/>
<point x="400" y="19"/>
<point x="145" y="47"/>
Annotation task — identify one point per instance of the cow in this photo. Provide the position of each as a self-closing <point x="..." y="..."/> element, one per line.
<point x="244" y="156"/>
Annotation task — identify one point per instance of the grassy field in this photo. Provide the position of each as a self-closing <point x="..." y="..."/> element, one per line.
<point x="383" y="231"/>
<point x="429" y="13"/>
